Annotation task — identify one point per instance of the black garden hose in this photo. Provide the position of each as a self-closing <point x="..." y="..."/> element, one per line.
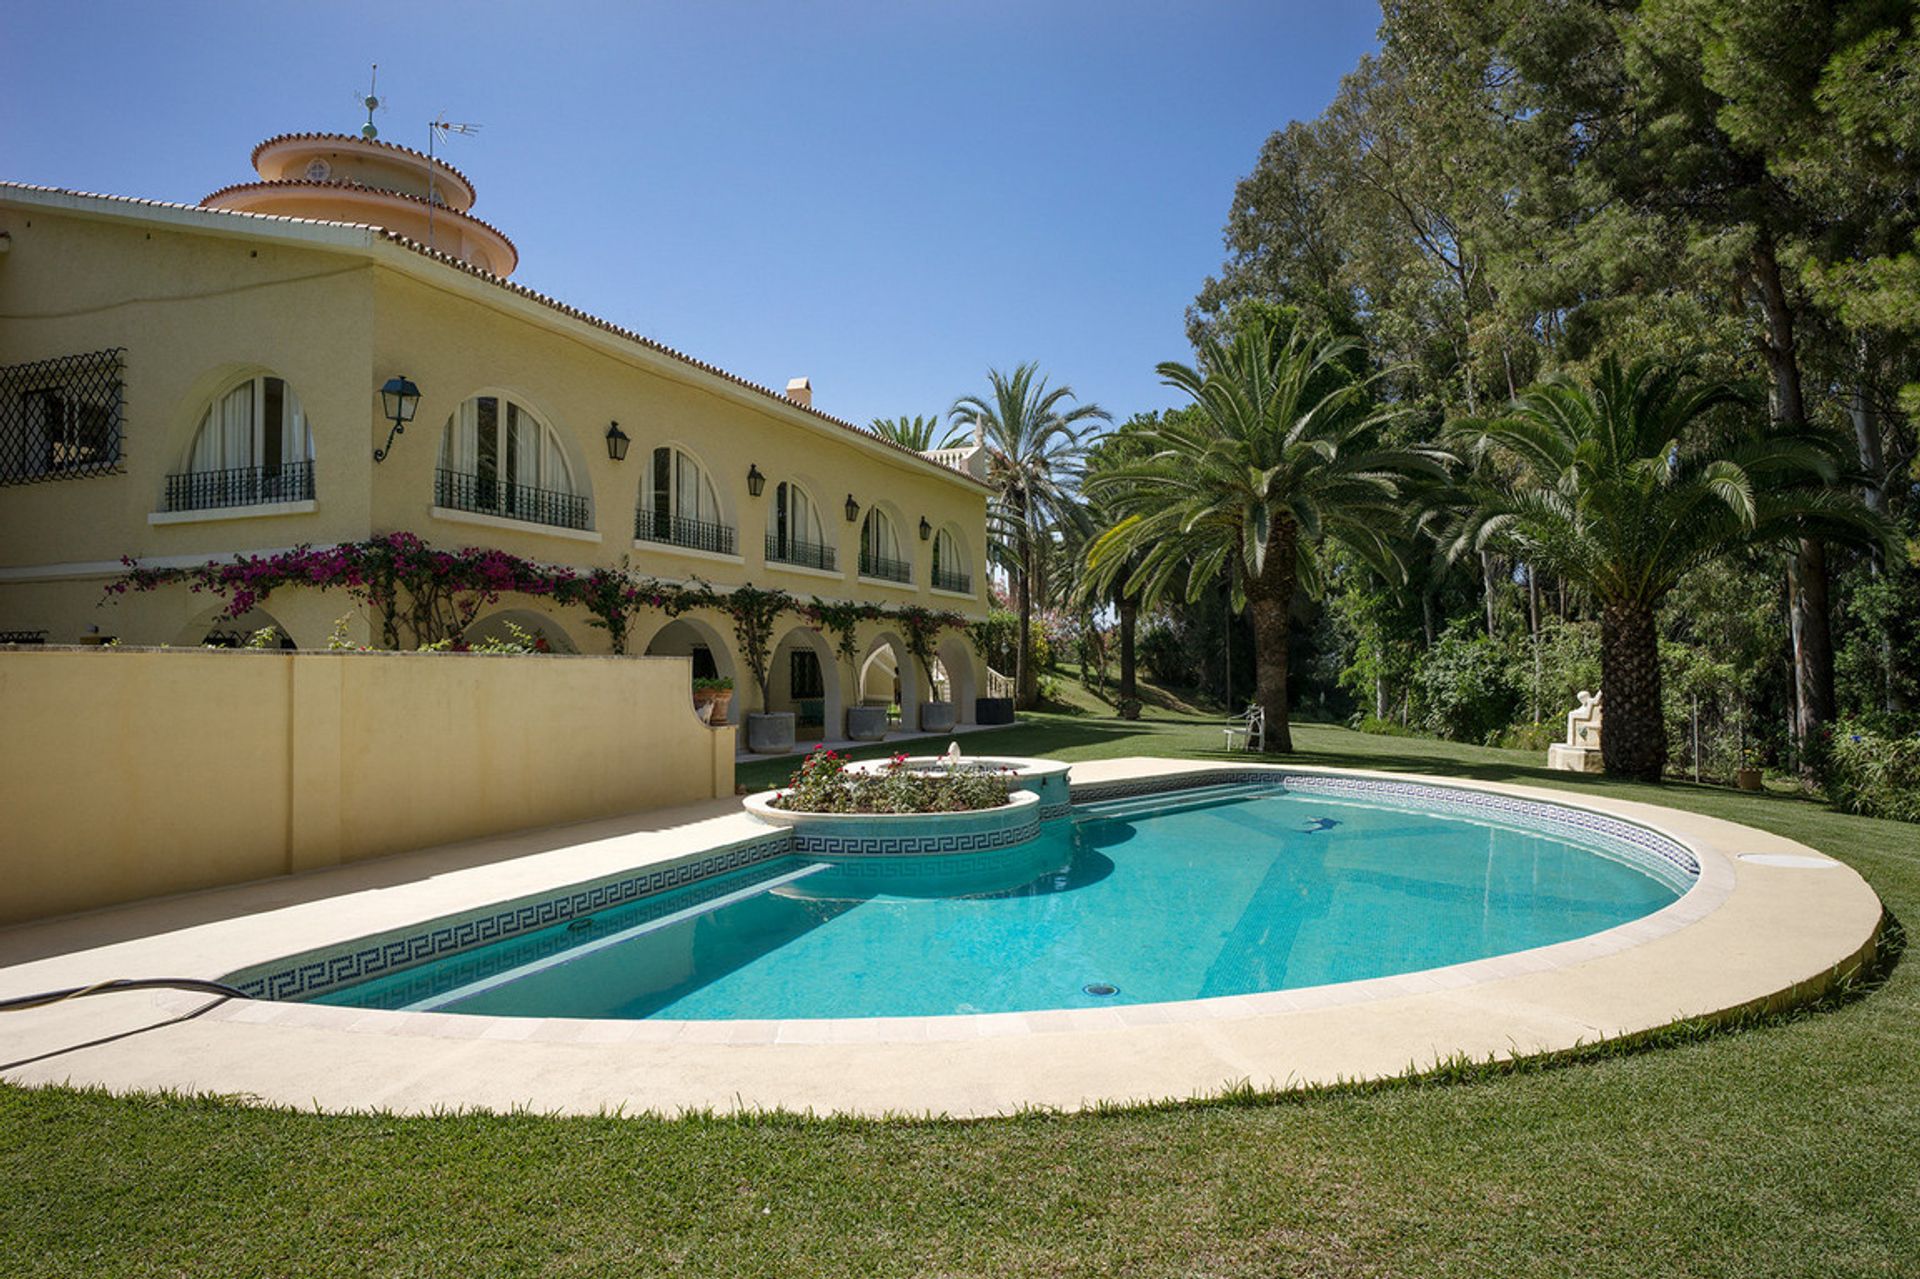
<point x="20" y="1003"/>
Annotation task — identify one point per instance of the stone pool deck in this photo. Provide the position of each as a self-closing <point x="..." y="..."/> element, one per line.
<point x="1751" y="932"/>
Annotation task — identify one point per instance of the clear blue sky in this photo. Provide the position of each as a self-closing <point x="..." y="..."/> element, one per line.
<point x="887" y="197"/>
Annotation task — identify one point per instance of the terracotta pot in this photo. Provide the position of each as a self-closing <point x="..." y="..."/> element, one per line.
<point x="718" y="698"/>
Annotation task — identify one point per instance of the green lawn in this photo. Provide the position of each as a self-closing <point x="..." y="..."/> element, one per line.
<point x="1792" y="1148"/>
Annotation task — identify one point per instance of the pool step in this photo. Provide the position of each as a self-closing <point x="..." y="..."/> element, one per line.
<point x="433" y="1003"/>
<point x="1175" y="801"/>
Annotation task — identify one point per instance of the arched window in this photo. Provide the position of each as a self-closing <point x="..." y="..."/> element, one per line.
<point x="950" y="564"/>
<point x="679" y="506"/>
<point x="880" y="549"/>
<point x="793" y="529"/>
<point x="253" y="447"/>
<point x="498" y="458"/>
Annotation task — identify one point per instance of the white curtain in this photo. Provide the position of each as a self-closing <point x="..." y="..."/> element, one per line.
<point x="693" y="497"/>
<point x="946" y="553"/>
<point x="878" y="537"/>
<point x="802" y="524"/>
<point x="460" y="452"/>
<point x="296" y="443"/>
<point x="233" y="433"/>
<point x="226" y="436"/>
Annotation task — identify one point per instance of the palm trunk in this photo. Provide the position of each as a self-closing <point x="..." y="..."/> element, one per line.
<point x="1270" y="601"/>
<point x="1026" y="684"/>
<point x="1633" y="733"/>
<point x="1129" y="609"/>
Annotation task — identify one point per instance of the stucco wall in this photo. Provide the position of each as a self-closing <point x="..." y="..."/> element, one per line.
<point x="196" y="308"/>
<point x="127" y="774"/>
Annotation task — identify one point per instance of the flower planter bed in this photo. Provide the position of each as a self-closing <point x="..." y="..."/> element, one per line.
<point x="827" y="836"/>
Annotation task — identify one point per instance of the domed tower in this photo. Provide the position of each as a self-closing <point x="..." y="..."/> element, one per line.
<point x="337" y="177"/>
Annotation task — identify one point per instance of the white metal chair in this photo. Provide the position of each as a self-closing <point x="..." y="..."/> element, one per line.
<point x="1249" y="732"/>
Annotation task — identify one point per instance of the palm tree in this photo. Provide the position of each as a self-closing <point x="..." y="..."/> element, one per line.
<point x="916" y="432"/>
<point x="1033" y="442"/>
<point x="1108" y="585"/>
<point x="1278" y="454"/>
<point x="1625" y="485"/>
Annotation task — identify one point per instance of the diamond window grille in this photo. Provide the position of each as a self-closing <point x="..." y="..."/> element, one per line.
<point x="61" y="419"/>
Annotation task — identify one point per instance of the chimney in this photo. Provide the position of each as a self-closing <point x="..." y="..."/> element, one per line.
<point x="800" y="391"/>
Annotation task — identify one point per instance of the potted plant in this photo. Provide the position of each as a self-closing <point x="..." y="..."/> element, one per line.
<point x="715" y="694"/>
<point x="922" y="627"/>
<point x="1749" y="775"/>
<point x="754" y="612"/>
<point x="867" y="723"/>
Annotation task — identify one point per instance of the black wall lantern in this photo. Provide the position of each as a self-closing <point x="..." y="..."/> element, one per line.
<point x="756" y="482"/>
<point x="926" y="529"/>
<point x="853" y="509"/>
<point x="400" y="398"/>
<point x="617" y="442"/>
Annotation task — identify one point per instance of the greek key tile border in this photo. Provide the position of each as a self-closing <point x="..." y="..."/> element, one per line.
<point x="808" y="844"/>
<point x="303" y="976"/>
<point x="1669" y="854"/>
<point x="314" y="973"/>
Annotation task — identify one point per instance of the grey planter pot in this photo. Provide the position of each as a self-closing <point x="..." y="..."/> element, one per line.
<point x="936" y="717"/>
<point x="770" y="733"/>
<point x="867" y="723"/>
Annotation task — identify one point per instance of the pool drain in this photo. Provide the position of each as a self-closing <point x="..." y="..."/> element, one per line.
<point x="1101" y="988"/>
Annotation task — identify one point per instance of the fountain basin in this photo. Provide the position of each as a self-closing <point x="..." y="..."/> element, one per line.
<point x="858" y="836"/>
<point x="1046" y="778"/>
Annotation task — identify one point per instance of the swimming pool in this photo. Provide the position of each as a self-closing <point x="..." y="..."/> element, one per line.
<point x="1224" y="889"/>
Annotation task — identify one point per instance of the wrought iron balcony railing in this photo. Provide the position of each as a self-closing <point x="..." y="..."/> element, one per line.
<point x="240" y="486"/>
<point x="948" y="580"/>
<point x="882" y="566"/>
<point x="485" y="495"/>
<point x="786" y="550"/>
<point x="678" y="530"/>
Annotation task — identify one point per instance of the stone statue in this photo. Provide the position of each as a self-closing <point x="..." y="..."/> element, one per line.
<point x="1583" y="722"/>
<point x="1580" y="753"/>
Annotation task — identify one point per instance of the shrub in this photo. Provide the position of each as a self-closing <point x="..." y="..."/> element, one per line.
<point x="1159" y="649"/>
<point x="1040" y="645"/>
<point x="1464" y="687"/>
<point x="1867" y="773"/>
<point x="1382" y="727"/>
<point x="994" y="637"/>
<point x="1526" y="736"/>
<point x="822" y="784"/>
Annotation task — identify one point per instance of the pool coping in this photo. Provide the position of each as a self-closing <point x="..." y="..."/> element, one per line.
<point x="1748" y="934"/>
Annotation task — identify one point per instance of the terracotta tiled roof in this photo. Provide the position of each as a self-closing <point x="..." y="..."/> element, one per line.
<point x="339" y="184"/>
<point x="357" y="140"/>
<point x="522" y="290"/>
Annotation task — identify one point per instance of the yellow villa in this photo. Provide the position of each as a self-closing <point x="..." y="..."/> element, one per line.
<point x="184" y="383"/>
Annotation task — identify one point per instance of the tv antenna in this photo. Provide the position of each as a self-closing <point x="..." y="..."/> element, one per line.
<point x="439" y="129"/>
<point x="370" y="100"/>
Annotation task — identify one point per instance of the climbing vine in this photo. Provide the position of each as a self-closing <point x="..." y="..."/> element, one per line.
<point x="424" y="597"/>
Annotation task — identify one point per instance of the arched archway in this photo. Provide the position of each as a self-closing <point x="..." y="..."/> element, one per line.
<point x="213" y="628"/>
<point x="805" y="679"/>
<point x="694" y="639"/>
<point x="890" y="676"/>
<point x="497" y="627"/>
<point x="958" y="671"/>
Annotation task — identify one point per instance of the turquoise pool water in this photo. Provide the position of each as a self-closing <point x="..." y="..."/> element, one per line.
<point x="1225" y="891"/>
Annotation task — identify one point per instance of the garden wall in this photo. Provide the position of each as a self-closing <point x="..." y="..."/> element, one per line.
<point x="130" y="773"/>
